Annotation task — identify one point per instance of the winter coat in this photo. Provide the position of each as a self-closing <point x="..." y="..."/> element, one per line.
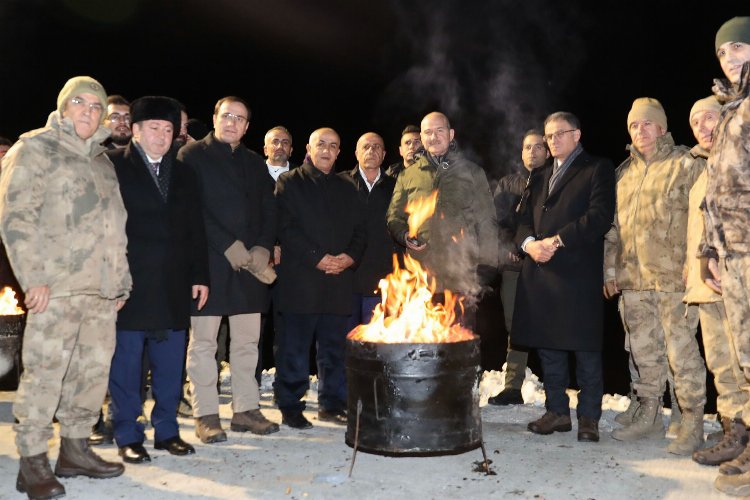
<point x="319" y="214"/>
<point x="62" y="218"/>
<point x="507" y="196"/>
<point x="696" y="290"/>
<point x="559" y="304"/>
<point x="236" y="194"/>
<point x="377" y="259"/>
<point x="167" y="250"/>
<point x="645" y="249"/>
<point x="728" y="185"/>
<point x="462" y="233"/>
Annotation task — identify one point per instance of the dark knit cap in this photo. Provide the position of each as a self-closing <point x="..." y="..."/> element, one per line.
<point x="736" y="29"/>
<point x="156" y="108"/>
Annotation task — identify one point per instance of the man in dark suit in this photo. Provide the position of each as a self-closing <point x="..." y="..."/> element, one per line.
<point x="322" y="234"/>
<point x="568" y="208"/>
<point x="375" y="189"/>
<point x="168" y="260"/>
<point x="239" y="211"/>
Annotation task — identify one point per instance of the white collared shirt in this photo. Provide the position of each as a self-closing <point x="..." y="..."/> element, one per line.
<point x="367" y="183"/>
<point x="277" y="171"/>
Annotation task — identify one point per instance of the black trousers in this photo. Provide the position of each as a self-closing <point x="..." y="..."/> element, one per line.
<point x="555" y="368"/>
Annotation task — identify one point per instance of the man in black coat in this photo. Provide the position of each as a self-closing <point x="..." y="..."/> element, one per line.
<point x="168" y="260"/>
<point x="375" y="189"/>
<point x="322" y="235"/>
<point x="508" y="193"/>
<point x="569" y="207"/>
<point x="239" y="211"/>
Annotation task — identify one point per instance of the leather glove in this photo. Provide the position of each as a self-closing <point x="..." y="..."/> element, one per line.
<point x="267" y="275"/>
<point x="259" y="259"/>
<point x="237" y="255"/>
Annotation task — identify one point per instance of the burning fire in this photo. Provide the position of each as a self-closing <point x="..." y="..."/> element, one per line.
<point x="9" y="303"/>
<point x="420" y="210"/>
<point x="406" y="313"/>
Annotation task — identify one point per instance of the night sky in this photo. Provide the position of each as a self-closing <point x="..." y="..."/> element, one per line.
<point x="496" y="68"/>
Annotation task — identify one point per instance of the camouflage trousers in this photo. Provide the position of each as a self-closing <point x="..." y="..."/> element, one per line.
<point x="660" y="330"/>
<point x="721" y="359"/>
<point x="735" y="280"/>
<point x="67" y="351"/>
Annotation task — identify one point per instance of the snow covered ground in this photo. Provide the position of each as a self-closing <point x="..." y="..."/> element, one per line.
<point x="314" y="463"/>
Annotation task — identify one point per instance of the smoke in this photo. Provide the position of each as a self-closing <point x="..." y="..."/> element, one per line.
<point x="495" y="68"/>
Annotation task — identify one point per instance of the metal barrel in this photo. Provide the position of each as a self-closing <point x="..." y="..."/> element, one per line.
<point x="417" y="399"/>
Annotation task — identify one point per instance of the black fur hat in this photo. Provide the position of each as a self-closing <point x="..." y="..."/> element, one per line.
<point x="153" y="107"/>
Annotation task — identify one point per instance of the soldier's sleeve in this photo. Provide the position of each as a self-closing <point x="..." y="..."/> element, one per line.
<point x="396" y="216"/>
<point x="22" y="195"/>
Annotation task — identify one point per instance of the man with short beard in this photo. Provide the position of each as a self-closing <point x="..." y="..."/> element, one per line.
<point x="118" y="121"/>
<point x="410" y="144"/>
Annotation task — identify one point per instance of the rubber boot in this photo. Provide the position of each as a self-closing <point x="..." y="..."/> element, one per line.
<point x="690" y="434"/>
<point x="730" y="447"/>
<point x="35" y="478"/>
<point x="647" y="422"/>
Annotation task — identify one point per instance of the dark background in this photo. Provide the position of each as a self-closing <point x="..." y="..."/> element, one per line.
<point x="496" y="68"/>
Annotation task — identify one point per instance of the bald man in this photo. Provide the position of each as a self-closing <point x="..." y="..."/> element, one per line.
<point x="374" y="188"/>
<point x="459" y="243"/>
<point x="322" y="235"/>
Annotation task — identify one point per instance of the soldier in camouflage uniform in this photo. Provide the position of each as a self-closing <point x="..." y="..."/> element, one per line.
<point x="727" y="218"/>
<point x="63" y="222"/>
<point x="717" y="342"/>
<point x="644" y="257"/>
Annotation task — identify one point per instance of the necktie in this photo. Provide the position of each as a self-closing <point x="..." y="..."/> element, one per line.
<point x="155" y="168"/>
<point x="162" y="179"/>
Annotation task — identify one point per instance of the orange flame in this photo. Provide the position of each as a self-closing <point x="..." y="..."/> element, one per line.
<point x="9" y="303"/>
<point x="420" y="210"/>
<point x="406" y="313"/>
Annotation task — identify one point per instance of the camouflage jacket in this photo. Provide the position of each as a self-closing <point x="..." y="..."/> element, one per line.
<point x="62" y="218"/>
<point x="727" y="210"/>
<point x="696" y="291"/>
<point x="462" y="234"/>
<point x="645" y="248"/>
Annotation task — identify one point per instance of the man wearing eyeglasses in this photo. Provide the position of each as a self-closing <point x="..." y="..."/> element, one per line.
<point x="565" y="211"/>
<point x="239" y="212"/>
<point x="645" y="260"/>
<point x="62" y="220"/>
<point x="534" y="154"/>
<point x="118" y="121"/>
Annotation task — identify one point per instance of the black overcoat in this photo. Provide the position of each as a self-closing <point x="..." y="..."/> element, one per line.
<point x="319" y="214"/>
<point x="167" y="251"/>
<point x="377" y="259"/>
<point x="238" y="204"/>
<point x="559" y="304"/>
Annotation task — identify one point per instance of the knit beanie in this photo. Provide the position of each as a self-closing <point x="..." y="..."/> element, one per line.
<point x="736" y="29"/>
<point x="154" y="107"/>
<point x="648" y="108"/>
<point x="81" y="85"/>
<point x="709" y="103"/>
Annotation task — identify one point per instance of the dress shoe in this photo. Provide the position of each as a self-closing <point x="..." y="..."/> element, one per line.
<point x="335" y="416"/>
<point x="295" y="420"/>
<point x="134" y="453"/>
<point x="508" y="396"/>
<point x="549" y="423"/>
<point x="77" y="459"/>
<point x="35" y="478"/>
<point x="102" y="433"/>
<point x="253" y="421"/>
<point x="208" y="429"/>
<point x="175" y="446"/>
<point x="588" y="430"/>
